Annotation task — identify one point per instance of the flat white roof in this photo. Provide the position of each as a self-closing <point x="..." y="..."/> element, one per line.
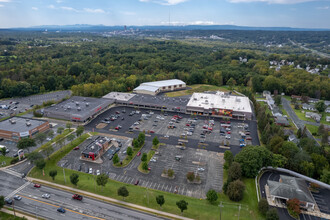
<point x="162" y="83"/>
<point x="121" y="96"/>
<point x="220" y="100"/>
<point x="147" y="88"/>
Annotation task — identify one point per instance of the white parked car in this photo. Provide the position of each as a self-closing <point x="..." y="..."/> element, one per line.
<point x="46" y="196"/>
<point x="98" y="172"/>
<point x="90" y="170"/>
<point x="48" y="139"/>
<point x="166" y="136"/>
<point x="201" y="169"/>
<point x="227" y="136"/>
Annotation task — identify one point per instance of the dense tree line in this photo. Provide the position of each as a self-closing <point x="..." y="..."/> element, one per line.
<point x="33" y="63"/>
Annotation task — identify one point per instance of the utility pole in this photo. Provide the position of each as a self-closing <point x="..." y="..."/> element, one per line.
<point x="14" y="208"/>
<point x="239" y="209"/>
<point x="220" y="208"/>
<point x="64" y="176"/>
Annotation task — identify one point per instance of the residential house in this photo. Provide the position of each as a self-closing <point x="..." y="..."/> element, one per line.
<point x="276" y="111"/>
<point x="293" y="138"/>
<point x="265" y="92"/>
<point x="310" y="107"/>
<point x="296" y="97"/>
<point x="283" y="121"/>
<point x="315" y="116"/>
<point x="327" y="103"/>
<point x="327" y="110"/>
<point x="290" y="187"/>
<point x="328" y="119"/>
<point x="312" y="100"/>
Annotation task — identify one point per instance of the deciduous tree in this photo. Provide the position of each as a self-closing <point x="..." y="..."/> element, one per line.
<point x="160" y="200"/>
<point x="122" y="191"/>
<point x="212" y="196"/>
<point x="74" y="178"/>
<point x="53" y="173"/>
<point x="182" y="205"/>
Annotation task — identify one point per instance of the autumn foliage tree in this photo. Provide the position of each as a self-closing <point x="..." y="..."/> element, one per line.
<point x="294" y="207"/>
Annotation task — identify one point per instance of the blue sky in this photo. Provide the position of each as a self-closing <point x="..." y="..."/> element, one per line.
<point x="261" y="13"/>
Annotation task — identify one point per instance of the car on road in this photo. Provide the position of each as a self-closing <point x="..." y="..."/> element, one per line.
<point x="61" y="210"/>
<point x="139" y="153"/>
<point x="117" y="112"/>
<point x="90" y="170"/>
<point x="247" y="133"/>
<point x="45" y="196"/>
<point x="98" y="172"/>
<point x="9" y="201"/>
<point x="37" y="185"/>
<point x="136" y="182"/>
<point x="201" y="169"/>
<point x="76" y="148"/>
<point x="17" y="197"/>
<point x="77" y="197"/>
<point x="202" y="140"/>
<point x="153" y="160"/>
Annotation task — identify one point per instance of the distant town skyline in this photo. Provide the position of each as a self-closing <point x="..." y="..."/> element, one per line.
<point x="257" y="13"/>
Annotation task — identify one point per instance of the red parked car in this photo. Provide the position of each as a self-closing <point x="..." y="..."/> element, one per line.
<point x="76" y="148"/>
<point x="136" y="182"/>
<point x="77" y="197"/>
<point x="228" y="132"/>
<point x="37" y="185"/>
<point x="228" y="122"/>
<point x="139" y="153"/>
<point x="249" y="138"/>
<point x="188" y="125"/>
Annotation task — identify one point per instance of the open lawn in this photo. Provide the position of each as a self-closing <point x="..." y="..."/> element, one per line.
<point x="5" y="160"/>
<point x="301" y="114"/>
<point x="197" y="208"/>
<point x="197" y="88"/>
<point x="323" y="119"/>
<point x="313" y="129"/>
<point x="6" y="216"/>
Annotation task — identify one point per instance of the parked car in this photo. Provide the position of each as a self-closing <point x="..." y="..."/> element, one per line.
<point x="76" y="148"/>
<point x="46" y="196"/>
<point x="152" y="132"/>
<point x="201" y="169"/>
<point x="77" y="197"/>
<point x="61" y="210"/>
<point x="139" y="153"/>
<point x="17" y="197"/>
<point x="90" y="170"/>
<point x="9" y="201"/>
<point x="37" y="185"/>
<point x="136" y="182"/>
<point x="249" y="138"/>
<point x="98" y="172"/>
<point x="227" y="136"/>
<point x="228" y="132"/>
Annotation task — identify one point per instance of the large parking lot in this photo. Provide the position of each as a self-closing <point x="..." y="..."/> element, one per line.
<point x="207" y="164"/>
<point x="174" y="128"/>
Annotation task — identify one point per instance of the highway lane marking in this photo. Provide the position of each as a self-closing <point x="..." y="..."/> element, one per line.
<point x="60" y="206"/>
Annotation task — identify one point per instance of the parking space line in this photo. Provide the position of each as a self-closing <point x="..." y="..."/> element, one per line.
<point x="124" y="180"/>
<point x="132" y="181"/>
<point x="170" y="189"/>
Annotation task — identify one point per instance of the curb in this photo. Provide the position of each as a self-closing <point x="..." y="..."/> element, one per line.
<point x="19" y="213"/>
<point x="110" y="200"/>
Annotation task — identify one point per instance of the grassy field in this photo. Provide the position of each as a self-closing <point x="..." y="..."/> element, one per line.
<point x="6" y="216"/>
<point x="197" y="208"/>
<point x="301" y="115"/>
<point x="197" y="88"/>
<point x="5" y="159"/>
<point x="313" y="129"/>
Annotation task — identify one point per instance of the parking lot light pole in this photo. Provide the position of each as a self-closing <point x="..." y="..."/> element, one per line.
<point x="64" y="176"/>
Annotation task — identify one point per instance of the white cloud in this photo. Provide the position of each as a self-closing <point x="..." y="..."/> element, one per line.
<point x="1" y="6"/>
<point x="128" y="13"/>
<point x="273" y="1"/>
<point x="35" y="8"/>
<point x="59" y="1"/>
<point x="51" y="6"/>
<point x="323" y="8"/>
<point x="165" y="2"/>
<point x="69" y="9"/>
<point x="90" y="10"/>
<point x="5" y="0"/>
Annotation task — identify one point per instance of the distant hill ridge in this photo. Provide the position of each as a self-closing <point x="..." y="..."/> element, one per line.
<point x="100" y="28"/>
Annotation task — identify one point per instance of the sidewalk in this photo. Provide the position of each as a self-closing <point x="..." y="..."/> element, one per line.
<point x="110" y="200"/>
<point x="18" y="214"/>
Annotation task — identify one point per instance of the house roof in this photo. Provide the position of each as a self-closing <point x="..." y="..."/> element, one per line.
<point x="290" y="188"/>
<point x="282" y="120"/>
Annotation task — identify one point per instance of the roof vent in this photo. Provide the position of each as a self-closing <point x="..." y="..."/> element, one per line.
<point x="12" y="121"/>
<point x="238" y="100"/>
<point x="77" y="103"/>
<point x="28" y="124"/>
<point x="87" y="104"/>
<point x="223" y="100"/>
<point x="79" y="109"/>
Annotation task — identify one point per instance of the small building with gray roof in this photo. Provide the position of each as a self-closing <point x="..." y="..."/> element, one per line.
<point x="77" y="108"/>
<point x="290" y="187"/>
<point x="16" y="128"/>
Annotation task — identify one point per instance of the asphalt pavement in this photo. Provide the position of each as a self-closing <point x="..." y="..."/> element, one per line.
<point x="33" y="203"/>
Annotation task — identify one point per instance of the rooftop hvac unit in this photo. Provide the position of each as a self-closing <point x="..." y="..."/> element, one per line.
<point x="84" y="99"/>
<point x="238" y="100"/>
<point x="195" y="99"/>
<point x="56" y="109"/>
<point x="92" y="147"/>
<point x="69" y="107"/>
<point x="223" y="100"/>
<point x="79" y="109"/>
<point x="12" y="121"/>
<point x="77" y="103"/>
<point x="87" y="104"/>
<point x="65" y="109"/>
<point x="28" y="124"/>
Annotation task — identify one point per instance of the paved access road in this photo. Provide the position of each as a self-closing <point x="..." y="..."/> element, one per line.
<point x="33" y="203"/>
<point x="299" y="123"/>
